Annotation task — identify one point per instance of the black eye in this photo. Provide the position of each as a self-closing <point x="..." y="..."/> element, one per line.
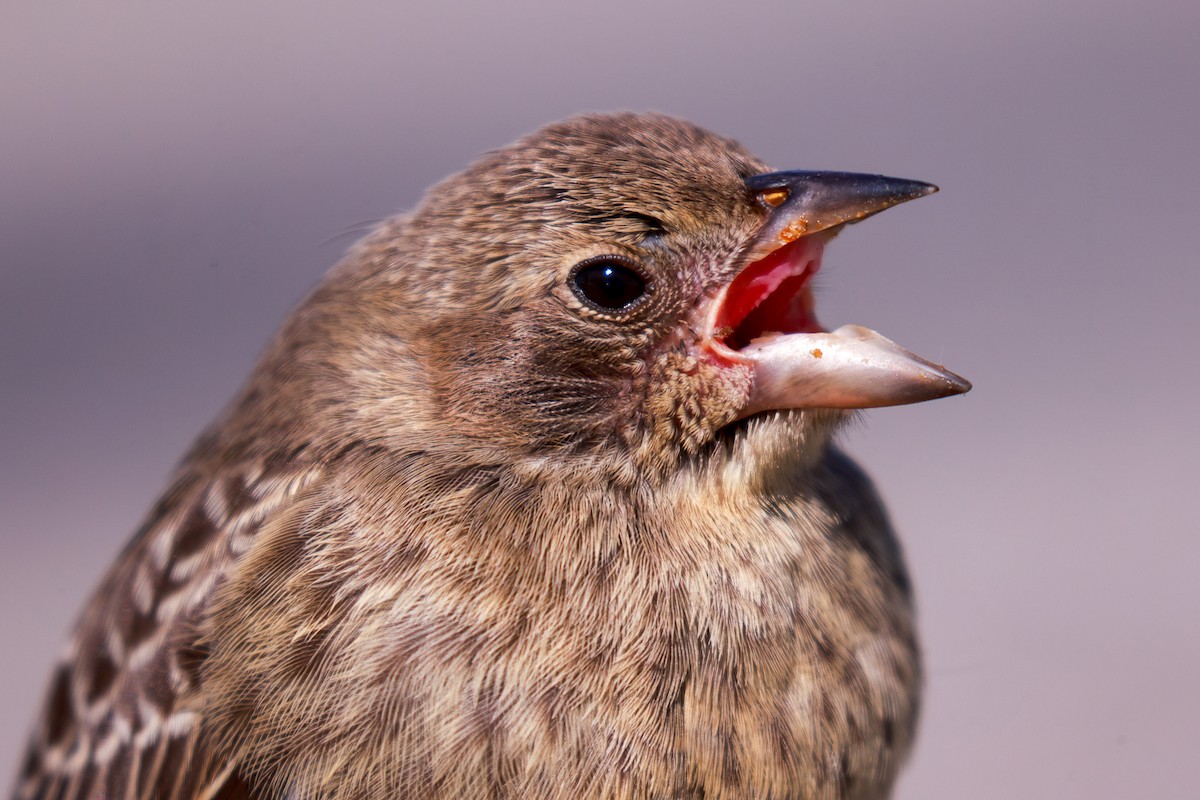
<point x="608" y="282"/>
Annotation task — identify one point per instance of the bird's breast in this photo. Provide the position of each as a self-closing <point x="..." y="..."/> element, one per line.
<point x="740" y="649"/>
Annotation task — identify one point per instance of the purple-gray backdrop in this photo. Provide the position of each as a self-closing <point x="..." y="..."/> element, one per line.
<point x="172" y="180"/>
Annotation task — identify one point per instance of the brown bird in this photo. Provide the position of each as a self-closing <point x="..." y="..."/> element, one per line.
<point x="534" y="497"/>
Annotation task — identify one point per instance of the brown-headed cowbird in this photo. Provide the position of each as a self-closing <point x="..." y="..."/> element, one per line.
<point x="534" y="497"/>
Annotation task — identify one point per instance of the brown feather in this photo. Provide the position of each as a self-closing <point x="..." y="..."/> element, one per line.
<point x="124" y="715"/>
<point x="463" y="536"/>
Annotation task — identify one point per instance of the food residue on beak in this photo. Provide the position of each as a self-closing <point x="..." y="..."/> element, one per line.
<point x="793" y="231"/>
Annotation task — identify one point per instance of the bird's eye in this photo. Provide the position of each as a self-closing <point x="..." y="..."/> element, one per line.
<point x="610" y="283"/>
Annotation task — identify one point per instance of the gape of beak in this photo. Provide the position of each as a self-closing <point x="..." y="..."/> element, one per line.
<point x="772" y="295"/>
<point x="765" y="316"/>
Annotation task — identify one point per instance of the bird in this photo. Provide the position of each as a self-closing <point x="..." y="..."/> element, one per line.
<point x="536" y="495"/>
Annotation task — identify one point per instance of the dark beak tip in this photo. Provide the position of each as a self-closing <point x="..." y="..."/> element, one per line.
<point x="956" y="384"/>
<point x="911" y="190"/>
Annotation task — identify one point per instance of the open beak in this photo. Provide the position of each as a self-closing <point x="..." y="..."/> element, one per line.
<point x="764" y="317"/>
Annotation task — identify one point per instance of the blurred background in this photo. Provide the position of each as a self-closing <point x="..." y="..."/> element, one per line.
<point x="173" y="180"/>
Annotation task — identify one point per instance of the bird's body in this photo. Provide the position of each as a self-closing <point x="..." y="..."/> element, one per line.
<point x="467" y="533"/>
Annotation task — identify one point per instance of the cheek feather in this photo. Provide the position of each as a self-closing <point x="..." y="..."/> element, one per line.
<point x="691" y="399"/>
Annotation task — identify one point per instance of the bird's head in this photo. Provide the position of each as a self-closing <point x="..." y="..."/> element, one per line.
<point x="628" y="286"/>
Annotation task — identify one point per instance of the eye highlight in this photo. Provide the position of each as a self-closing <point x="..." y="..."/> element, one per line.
<point x="609" y="283"/>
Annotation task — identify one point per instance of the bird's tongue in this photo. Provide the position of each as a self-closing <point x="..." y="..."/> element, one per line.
<point x="765" y="317"/>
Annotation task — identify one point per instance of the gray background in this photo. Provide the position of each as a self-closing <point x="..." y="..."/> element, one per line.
<point x="172" y="180"/>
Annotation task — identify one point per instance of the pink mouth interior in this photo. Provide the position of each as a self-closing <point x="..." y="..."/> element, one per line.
<point x="771" y="296"/>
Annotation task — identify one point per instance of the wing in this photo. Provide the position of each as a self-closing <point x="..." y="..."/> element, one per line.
<point x="849" y="494"/>
<point x="124" y="714"/>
